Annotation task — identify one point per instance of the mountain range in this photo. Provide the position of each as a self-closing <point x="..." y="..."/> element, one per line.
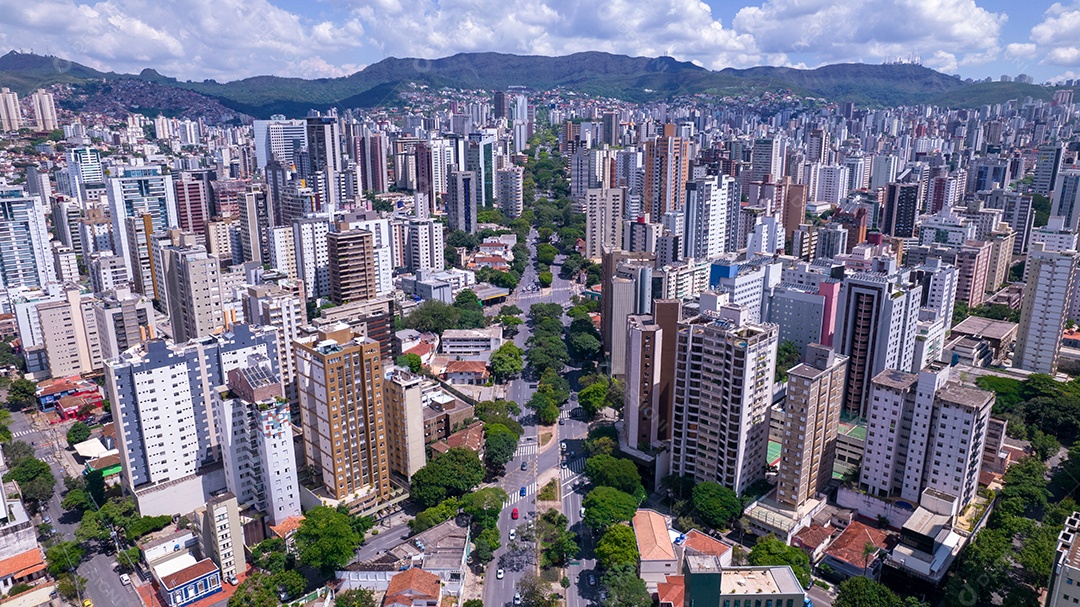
<point x="628" y="78"/>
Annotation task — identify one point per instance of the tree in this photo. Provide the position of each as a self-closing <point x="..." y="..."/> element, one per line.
<point x="5" y="422"/>
<point x="27" y="470"/>
<point x="771" y="551"/>
<point x="16" y="451"/>
<point x="548" y="413"/>
<point x="326" y="539"/>
<point x="452" y="474"/>
<point x="77" y="433"/>
<point x="618" y="546"/>
<point x="64" y="556"/>
<point x="487" y="542"/>
<point x="510" y="310"/>
<point x="21" y="393"/>
<point x="39" y="489"/>
<point x="70" y="586"/>
<point x="535" y="592"/>
<point x="787" y="357"/>
<point x="433" y="316"/>
<point x="600" y="446"/>
<point x="545" y="253"/>
<point x="593" y="398"/>
<point x="622" y="474"/>
<point x="77" y="499"/>
<point x="715" y="505"/>
<point x="473" y="603"/>
<point x="625" y="587"/>
<point x="545" y="279"/>
<point x="506" y="361"/>
<point x="484" y="506"/>
<point x="864" y="592"/>
<point x="291" y="581"/>
<point x="412" y="362"/>
<point x="359" y="597"/>
<point x="605" y="506"/>
<point x="500" y="445"/>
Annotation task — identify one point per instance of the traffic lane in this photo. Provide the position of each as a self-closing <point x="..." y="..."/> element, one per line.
<point x="103" y="583"/>
<point x="374" y="545"/>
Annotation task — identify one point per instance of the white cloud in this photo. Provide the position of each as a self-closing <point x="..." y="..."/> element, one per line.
<point x="1063" y="55"/>
<point x="945" y="32"/>
<point x="1018" y="50"/>
<point x="223" y="39"/>
<point x="1059" y="31"/>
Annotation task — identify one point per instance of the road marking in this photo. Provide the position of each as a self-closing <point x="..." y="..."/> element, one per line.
<point x="573" y="469"/>
<point x="516" y="497"/>
<point x="526" y="449"/>
<point x="22" y="433"/>
<point x="564" y="414"/>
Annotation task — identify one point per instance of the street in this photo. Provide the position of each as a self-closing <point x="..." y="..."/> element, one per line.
<point x="103" y="582"/>
<point x="517" y="558"/>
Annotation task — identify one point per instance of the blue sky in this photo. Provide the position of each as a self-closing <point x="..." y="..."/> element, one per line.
<point x="229" y="39"/>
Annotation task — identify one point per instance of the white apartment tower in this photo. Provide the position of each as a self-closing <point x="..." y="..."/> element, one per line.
<point x="44" y="111"/>
<point x="724" y="370"/>
<point x="10" y="113"/>
<point x="424" y="245"/>
<point x="603" y="220"/>
<point x="1047" y="297"/>
<point x="26" y="260"/>
<point x="511" y="182"/>
<point x="706" y="216"/>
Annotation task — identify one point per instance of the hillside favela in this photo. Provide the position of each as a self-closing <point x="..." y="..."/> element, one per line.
<point x="464" y="304"/>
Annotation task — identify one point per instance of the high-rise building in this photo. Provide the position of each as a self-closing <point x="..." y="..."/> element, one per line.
<point x="1047" y="296"/>
<point x="462" y="199"/>
<point x="1066" y="201"/>
<point x="254" y="430"/>
<point x="10" y="113"/>
<point x="135" y="191"/>
<point x="723" y="390"/>
<point x="371" y="153"/>
<point x="217" y="526"/>
<point x="255" y="217"/>
<point x="192" y="202"/>
<point x="644" y="345"/>
<point x="876" y="320"/>
<point x="706" y="216"/>
<point x="603" y="220"/>
<point x="162" y="398"/>
<point x="84" y="172"/>
<point x="815" y="396"/>
<point x="124" y="320"/>
<point x="480" y="159"/>
<point x="312" y="254"/>
<point x="108" y="272"/>
<point x="901" y="209"/>
<point x="1047" y="165"/>
<point x="26" y="260"/>
<point x="44" y="111"/>
<point x="352" y="264"/>
<point x="502" y="105"/>
<point x="70" y="334"/>
<point x="284" y="310"/>
<point x="424" y="245"/>
<point x="630" y="285"/>
<point x="283" y="251"/>
<point x="766" y="162"/>
<point x="405" y="423"/>
<point x="1017" y="212"/>
<point x="667" y="168"/>
<point x="340" y="384"/>
<point x="382" y="246"/>
<point x="140" y="232"/>
<point x="924" y="432"/>
<point x="818" y="146"/>
<point x="511" y="182"/>
<point x="1066" y="570"/>
<point x="278" y="139"/>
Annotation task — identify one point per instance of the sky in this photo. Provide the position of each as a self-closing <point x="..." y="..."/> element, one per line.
<point x="232" y="39"/>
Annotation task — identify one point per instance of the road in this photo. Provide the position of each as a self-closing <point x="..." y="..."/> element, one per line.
<point x="516" y="558"/>
<point x="103" y="582"/>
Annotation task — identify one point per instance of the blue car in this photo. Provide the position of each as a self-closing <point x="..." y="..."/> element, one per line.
<point x="523" y="492"/>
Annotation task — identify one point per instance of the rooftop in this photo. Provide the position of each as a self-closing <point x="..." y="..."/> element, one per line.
<point x="965" y="396"/>
<point x="977" y="326"/>
<point x="287" y="526"/>
<point x="704" y="544"/>
<point x="188" y="574"/>
<point x="22" y="564"/>
<point x="849" y="546"/>
<point x="492" y="331"/>
<point x="673" y="591"/>
<point x="754" y="580"/>
<point x="897" y="380"/>
<point x="412" y="584"/>
<point x="653" y="540"/>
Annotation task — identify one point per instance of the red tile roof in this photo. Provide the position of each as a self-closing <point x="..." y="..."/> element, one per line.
<point x="673" y="591"/>
<point x="653" y="540"/>
<point x="704" y="544"/>
<point x="287" y="527"/>
<point x="187" y="574"/>
<point x="22" y="564"/>
<point x="470" y="438"/>
<point x="848" y="547"/>
<point x="478" y="367"/>
<point x="812" y="537"/>
<point x="412" y="584"/>
<point x="421" y="349"/>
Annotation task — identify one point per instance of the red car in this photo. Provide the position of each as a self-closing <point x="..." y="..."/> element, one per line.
<point x="514" y="514"/>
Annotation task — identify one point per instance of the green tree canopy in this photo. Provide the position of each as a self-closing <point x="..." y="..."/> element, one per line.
<point x="412" y="362"/>
<point x="506" y="361"/>
<point x="357" y="597"/>
<point x="77" y="433"/>
<point x="864" y="592"/>
<point x="618" y="546"/>
<point x="715" y="505"/>
<point x="64" y="556"/>
<point x="450" y="475"/>
<point x="771" y="551"/>
<point x="433" y="316"/>
<point x="500" y="445"/>
<point x="593" y="398"/>
<point x="605" y="506"/>
<point x="625" y="587"/>
<point x="326" y="539"/>
<point x="622" y="474"/>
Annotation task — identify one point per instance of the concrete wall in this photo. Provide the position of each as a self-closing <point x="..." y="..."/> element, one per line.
<point x="872" y="507"/>
<point x="182" y="496"/>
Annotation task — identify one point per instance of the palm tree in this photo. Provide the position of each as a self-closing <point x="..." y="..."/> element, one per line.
<point x="869" y="550"/>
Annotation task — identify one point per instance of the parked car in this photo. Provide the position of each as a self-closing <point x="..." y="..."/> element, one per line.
<point x="592" y="580"/>
<point x="499" y="574"/>
<point x="125" y="579"/>
<point x="513" y="535"/>
<point x="514" y="514"/>
<point x="517" y="598"/>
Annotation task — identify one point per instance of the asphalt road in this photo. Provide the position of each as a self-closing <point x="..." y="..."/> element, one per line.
<point x="518" y="557"/>
<point x="103" y="581"/>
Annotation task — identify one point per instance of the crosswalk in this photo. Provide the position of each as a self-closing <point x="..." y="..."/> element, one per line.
<point x="572" y="470"/>
<point x="22" y="433"/>
<point x="564" y="414"/>
<point x="526" y="449"/>
<point x="516" y="496"/>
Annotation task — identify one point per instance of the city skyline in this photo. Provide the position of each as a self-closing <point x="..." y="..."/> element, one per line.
<point x="974" y="39"/>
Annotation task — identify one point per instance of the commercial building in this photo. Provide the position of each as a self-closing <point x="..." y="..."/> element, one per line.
<point x="471" y="342"/>
<point x="462" y="200"/>
<point x="709" y="584"/>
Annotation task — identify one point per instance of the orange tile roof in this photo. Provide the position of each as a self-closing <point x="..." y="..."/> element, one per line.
<point x="705" y="544"/>
<point x="470" y="438"/>
<point x="412" y="584"/>
<point x="187" y="574"/>
<point x="421" y="349"/>
<point x="848" y="547"/>
<point x="287" y="526"/>
<point x="22" y="564"/>
<point x="813" y="536"/>
<point x="466" y="366"/>
<point x="673" y="591"/>
<point x="653" y="540"/>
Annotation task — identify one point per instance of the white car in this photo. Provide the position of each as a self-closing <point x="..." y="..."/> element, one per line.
<point x="582" y="511"/>
<point x="125" y="579"/>
<point x="499" y="573"/>
<point x="513" y="535"/>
